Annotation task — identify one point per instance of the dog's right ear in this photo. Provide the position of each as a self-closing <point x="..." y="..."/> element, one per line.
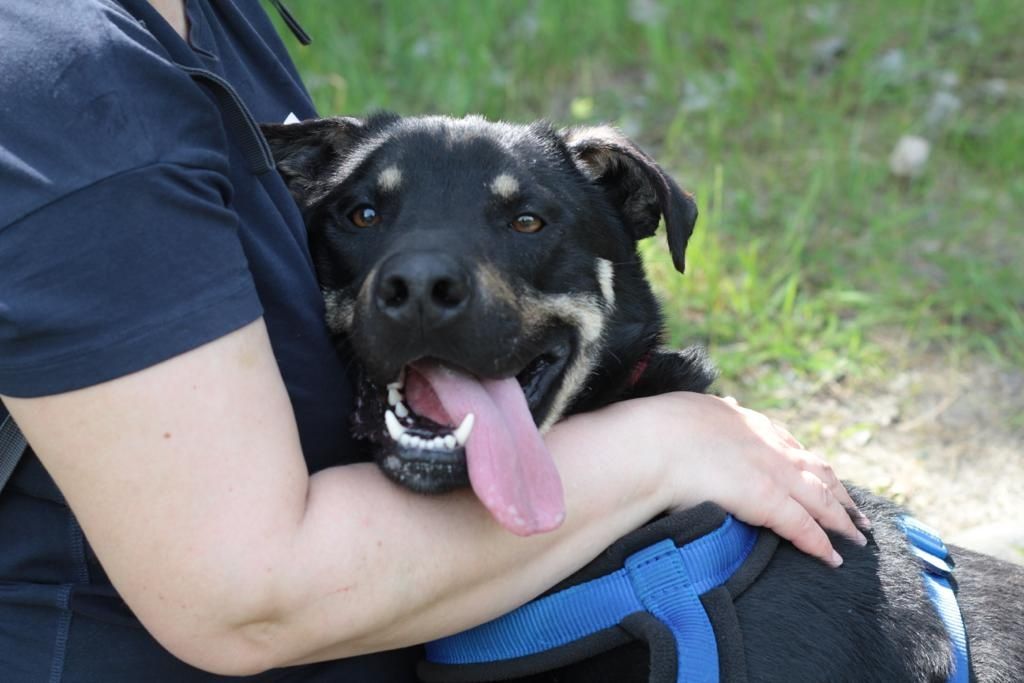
<point x="304" y="152"/>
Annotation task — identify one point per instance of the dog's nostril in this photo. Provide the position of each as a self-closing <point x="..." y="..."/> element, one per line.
<point x="395" y="292"/>
<point x="448" y="293"/>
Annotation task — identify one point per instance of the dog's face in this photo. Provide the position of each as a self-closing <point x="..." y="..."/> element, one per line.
<point x="479" y="273"/>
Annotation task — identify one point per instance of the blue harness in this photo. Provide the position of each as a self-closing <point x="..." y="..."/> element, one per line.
<point x="665" y="581"/>
<point x="937" y="568"/>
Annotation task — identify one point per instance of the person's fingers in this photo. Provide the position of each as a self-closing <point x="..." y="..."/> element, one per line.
<point x="792" y="521"/>
<point x="823" y="471"/>
<point x="818" y="499"/>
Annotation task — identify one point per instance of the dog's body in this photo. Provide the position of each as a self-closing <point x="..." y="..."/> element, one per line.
<point x="486" y="275"/>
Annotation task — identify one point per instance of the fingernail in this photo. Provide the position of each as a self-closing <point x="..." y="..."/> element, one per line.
<point x="861" y="539"/>
<point x="836" y="559"/>
<point x="862" y="521"/>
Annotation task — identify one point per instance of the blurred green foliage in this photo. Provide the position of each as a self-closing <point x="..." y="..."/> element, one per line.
<point x="781" y="118"/>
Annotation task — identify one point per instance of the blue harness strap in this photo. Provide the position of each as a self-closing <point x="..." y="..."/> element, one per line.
<point x="666" y="581"/>
<point x="937" y="568"/>
<point x="661" y="579"/>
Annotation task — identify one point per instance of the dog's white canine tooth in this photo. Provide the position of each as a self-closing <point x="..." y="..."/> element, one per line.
<point x="449" y="442"/>
<point x="401" y="410"/>
<point x="462" y="433"/>
<point x="394" y="397"/>
<point x="398" y="383"/>
<point x="395" y="428"/>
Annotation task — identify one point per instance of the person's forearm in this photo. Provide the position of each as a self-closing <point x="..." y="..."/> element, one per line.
<point x="188" y="480"/>
<point x="371" y="567"/>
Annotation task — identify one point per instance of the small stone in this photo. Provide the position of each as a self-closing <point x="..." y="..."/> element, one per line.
<point x="423" y="47"/>
<point x="826" y="15"/>
<point x="995" y="89"/>
<point x="909" y="157"/>
<point x="827" y="52"/>
<point x="647" y="12"/>
<point x="892" y="66"/>
<point x="695" y="98"/>
<point x="942" y="107"/>
<point x="947" y="79"/>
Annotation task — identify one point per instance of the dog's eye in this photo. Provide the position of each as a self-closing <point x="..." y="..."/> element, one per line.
<point x="364" y="216"/>
<point x="527" y="223"/>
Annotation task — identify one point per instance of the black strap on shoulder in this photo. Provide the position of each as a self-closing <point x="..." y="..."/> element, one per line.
<point x="238" y="121"/>
<point x="12" y="447"/>
<point x="236" y="118"/>
<point x="289" y="20"/>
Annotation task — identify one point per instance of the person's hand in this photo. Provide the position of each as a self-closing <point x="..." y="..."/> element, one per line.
<point x="754" y="468"/>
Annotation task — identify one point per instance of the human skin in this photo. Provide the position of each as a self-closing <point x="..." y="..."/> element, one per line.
<point x="189" y="482"/>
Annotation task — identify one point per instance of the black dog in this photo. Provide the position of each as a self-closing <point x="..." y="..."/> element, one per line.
<point x="485" y="278"/>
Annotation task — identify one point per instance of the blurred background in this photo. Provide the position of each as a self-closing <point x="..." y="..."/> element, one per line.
<point x="858" y="267"/>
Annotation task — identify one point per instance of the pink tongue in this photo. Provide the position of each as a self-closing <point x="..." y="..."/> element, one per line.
<point x="510" y="468"/>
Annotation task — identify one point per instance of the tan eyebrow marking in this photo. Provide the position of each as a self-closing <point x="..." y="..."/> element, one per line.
<point x="505" y="186"/>
<point x="389" y="179"/>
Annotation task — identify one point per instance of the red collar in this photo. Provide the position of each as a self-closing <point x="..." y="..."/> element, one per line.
<point x="639" y="369"/>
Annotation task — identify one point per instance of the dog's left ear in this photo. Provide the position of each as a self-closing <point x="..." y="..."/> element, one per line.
<point x="641" y="190"/>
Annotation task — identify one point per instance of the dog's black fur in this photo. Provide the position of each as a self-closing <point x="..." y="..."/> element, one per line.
<point x="578" y="334"/>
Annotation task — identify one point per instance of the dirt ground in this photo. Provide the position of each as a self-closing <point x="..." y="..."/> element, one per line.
<point x="944" y="439"/>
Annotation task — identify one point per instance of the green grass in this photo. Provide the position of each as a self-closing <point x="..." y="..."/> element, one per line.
<point x="807" y="249"/>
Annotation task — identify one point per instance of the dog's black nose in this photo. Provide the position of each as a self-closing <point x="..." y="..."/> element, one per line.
<point x="428" y="288"/>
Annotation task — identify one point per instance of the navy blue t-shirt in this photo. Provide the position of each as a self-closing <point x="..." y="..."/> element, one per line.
<point x="133" y="228"/>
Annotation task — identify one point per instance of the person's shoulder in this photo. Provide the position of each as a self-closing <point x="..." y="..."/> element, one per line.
<point x="56" y="48"/>
<point x="87" y="93"/>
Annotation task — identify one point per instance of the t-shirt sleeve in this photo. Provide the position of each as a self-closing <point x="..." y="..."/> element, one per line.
<point x="118" y="244"/>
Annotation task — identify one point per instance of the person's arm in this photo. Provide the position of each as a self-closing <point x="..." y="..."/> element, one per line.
<point x="189" y="482"/>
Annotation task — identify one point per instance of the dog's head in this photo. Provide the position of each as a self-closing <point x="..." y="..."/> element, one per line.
<point x="483" y="275"/>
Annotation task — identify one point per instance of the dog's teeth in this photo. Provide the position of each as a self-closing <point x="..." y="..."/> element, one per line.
<point x="398" y="384"/>
<point x="394" y="397"/>
<point x="401" y="410"/>
<point x="395" y="428"/>
<point x="405" y="440"/>
<point x="462" y="433"/>
<point x="449" y="442"/>
<point x="437" y="443"/>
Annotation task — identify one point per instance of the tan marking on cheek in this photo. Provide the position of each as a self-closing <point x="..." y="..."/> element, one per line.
<point x="505" y="186"/>
<point x="492" y="286"/>
<point x="606" y="280"/>
<point x="340" y="311"/>
<point x="587" y="315"/>
<point x="390" y="179"/>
